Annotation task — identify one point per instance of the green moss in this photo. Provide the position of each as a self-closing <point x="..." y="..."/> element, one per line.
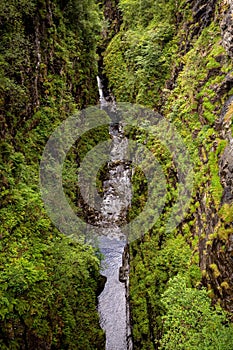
<point x="48" y="70"/>
<point x="226" y="213"/>
<point x="193" y="105"/>
<point x="213" y="64"/>
<point x="224" y="233"/>
<point x="221" y="146"/>
<point x="225" y="285"/>
<point x="215" y="270"/>
<point x="216" y="186"/>
<point x="204" y="273"/>
<point x="229" y="114"/>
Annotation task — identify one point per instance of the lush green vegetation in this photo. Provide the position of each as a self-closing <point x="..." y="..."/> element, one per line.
<point x="190" y="322"/>
<point x="138" y="59"/>
<point x="165" y="58"/>
<point x="48" y="282"/>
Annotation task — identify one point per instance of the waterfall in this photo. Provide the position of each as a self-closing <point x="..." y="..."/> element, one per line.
<point x="117" y="194"/>
<point x="103" y="102"/>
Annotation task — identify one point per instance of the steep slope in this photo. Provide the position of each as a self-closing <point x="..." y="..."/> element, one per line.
<point x="48" y="69"/>
<point x="176" y="57"/>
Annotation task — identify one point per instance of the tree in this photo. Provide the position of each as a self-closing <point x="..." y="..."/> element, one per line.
<point x="190" y="322"/>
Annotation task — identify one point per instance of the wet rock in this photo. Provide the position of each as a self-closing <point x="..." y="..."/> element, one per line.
<point x="101" y="284"/>
<point x="203" y="12"/>
<point x="227" y="29"/>
<point x="226" y="173"/>
<point x="217" y="258"/>
<point x="219" y="271"/>
<point x="124" y="269"/>
<point x="124" y="278"/>
<point x="122" y="274"/>
<point x="225" y="86"/>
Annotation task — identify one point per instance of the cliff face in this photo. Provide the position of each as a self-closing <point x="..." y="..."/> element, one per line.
<point x="217" y="260"/>
<point x="213" y="218"/>
<point x="215" y="243"/>
<point x="48" y="69"/>
<point x="48" y="60"/>
<point x="192" y="86"/>
<point x="227" y="28"/>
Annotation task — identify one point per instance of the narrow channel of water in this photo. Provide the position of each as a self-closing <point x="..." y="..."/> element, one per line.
<point x="112" y="301"/>
<point x="117" y="194"/>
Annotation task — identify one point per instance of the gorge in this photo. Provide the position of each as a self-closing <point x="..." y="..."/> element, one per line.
<point x="175" y="58"/>
<point x="112" y="302"/>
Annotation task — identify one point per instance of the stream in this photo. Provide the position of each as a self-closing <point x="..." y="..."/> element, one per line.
<point x="117" y="193"/>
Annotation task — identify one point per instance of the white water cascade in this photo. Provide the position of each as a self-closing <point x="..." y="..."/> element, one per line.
<point x="113" y="307"/>
<point x="103" y="102"/>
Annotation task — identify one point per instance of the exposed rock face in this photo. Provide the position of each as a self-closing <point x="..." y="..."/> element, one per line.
<point x="202" y="15"/>
<point x="216" y="254"/>
<point x="226" y="173"/>
<point x="112" y="13"/>
<point x="219" y="268"/>
<point x="124" y="269"/>
<point x="227" y="28"/>
<point x="124" y="277"/>
<point x="203" y="12"/>
<point x="101" y="283"/>
<point x="214" y="231"/>
<point x="202" y="57"/>
<point x="220" y="91"/>
<point x="113" y="17"/>
<point x="219" y="257"/>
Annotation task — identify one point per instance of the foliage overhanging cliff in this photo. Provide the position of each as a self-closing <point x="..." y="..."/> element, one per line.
<point x="176" y="57"/>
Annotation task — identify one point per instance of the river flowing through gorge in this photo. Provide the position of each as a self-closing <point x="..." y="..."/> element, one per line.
<point x="113" y="303"/>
